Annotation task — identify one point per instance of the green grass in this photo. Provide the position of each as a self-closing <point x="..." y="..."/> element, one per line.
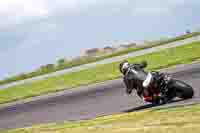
<point x="86" y="60"/>
<point x="172" y="120"/>
<point x="165" y="58"/>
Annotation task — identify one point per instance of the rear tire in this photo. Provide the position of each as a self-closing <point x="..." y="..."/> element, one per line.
<point x="183" y="90"/>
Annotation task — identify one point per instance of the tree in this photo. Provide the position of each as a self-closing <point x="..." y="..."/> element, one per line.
<point x="47" y="67"/>
<point x="61" y="62"/>
<point x="50" y="66"/>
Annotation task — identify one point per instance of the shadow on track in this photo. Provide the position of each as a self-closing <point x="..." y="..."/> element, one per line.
<point x="147" y="106"/>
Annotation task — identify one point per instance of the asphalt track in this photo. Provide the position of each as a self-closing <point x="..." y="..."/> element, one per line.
<point x="89" y="102"/>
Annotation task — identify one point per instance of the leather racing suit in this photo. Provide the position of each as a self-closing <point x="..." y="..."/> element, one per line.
<point x="134" y="78"/>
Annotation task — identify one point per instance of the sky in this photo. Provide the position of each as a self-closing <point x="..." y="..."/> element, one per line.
<point x="38" y="32"/>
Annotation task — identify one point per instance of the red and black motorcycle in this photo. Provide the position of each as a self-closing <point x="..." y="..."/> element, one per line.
<point x="155" y="87"/>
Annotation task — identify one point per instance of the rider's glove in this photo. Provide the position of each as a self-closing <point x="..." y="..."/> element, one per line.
<point x="128" y="91"/>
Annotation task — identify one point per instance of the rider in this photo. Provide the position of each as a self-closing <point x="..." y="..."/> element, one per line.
<point x="135" y="78"/>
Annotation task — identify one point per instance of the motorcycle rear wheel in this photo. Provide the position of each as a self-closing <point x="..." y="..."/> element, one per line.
<point x="182" y="89"/>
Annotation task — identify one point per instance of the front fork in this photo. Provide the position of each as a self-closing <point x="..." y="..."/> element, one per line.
<point x="167" y="92"/>
<point x="165" y="95"/>
<point x="163" y="82"/>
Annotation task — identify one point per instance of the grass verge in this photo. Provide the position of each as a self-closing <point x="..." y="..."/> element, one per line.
<point x="165" y="58"/>
<point x="174" y="120"/>
<point x="86" y="60"/>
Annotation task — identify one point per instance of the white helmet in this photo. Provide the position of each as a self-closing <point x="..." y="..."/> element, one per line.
<point x="124" y="67"/>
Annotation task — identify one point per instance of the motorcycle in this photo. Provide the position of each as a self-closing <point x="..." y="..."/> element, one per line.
<point x="159" y="88"/>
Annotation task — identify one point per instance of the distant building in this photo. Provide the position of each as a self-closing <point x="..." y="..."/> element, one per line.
<point x="188" y="32"/>
<point x="108" y="50"/>
<point x="92" y="52"/>
<point x="96" y="52"/>
<point x="126" y="46"/>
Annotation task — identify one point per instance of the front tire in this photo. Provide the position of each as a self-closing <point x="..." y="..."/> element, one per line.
<point x="183" y="90"/>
